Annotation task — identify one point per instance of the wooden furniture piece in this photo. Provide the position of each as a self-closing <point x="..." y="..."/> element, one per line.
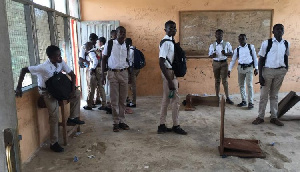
<point x="193" y="100"/>
<point x="63" y="123"/>
<point x="237" y="147"/>
<point x="287" y="103"/>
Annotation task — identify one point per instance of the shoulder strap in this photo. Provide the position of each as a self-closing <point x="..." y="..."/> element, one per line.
<point x="286" y="61"/>
<point x="270" y="42"/>
<point x="238" y="52"/>
<point x="109" y="47"/>
<point x="224" y="45"/>
<point x="215" y="45"/>
<point x="286" y="45"/>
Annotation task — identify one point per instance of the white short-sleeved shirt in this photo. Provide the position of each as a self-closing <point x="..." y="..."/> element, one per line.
<point x="166" y="50"/>
<point x="218" y="51"/>
<point x="46" y="70"/>
<point x="244" y="56"/>
<point x="117" y="59"/>
<point x="275" y="57"/>
<point x="82" y="53"/>
<point x="92" y="58"/>
<point x="131" y="55"/>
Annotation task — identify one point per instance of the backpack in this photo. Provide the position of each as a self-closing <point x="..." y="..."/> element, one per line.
<point x="270" y="42"/>
<point x="59" y="86"/>
<point x="223" y="45"/>
<point x="249" y="46"/>
<point x="179" y="62"/>
<point x="139" y="59"/>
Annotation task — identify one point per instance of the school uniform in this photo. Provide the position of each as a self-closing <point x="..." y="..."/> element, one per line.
<point x="133" y="75"/>
<point x="43" y="72"/>
<point x="220" y="65"/>
<point x="166" y="50"/>
<point x="100" y="88"/>
<point x="245" y="69"/>
<point x="93" y="78"/>
<point x="273" y="73"/>
<point x="118" y="78"/>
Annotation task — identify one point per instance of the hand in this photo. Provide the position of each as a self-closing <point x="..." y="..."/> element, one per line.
<point x="171" y="85"/>
<point x="255" y="72"/>
<point x="223" y="52"/>
<point x="228" y="74"/>
<point x="261" y="81"/>
<point x="214" y="55"/>
<point x="18" y="92"/>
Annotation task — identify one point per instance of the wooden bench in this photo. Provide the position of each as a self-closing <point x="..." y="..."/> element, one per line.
<point x="63" y="123"/>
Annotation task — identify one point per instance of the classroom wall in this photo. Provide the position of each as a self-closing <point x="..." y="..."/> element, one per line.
<point x="144" y="21"/>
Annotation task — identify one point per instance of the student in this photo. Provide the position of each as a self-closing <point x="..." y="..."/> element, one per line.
<point x="44" y="72"/>
<point x="100" y="89"/>
<point x="90" y="52"/>
<point x="170" y="82"/>
<point x="117" y="74"/>
<point x="133" y="73"/>
<point x="246" y="56"/>
<point x="219" y="51"/>
<point x="273" y="65"/>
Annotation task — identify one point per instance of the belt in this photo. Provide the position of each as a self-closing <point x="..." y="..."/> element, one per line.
<point x="246" y="65"/>
<point x="220" y="60"/>
<point x="169" y="68"/>
<point x="117" y="70"/>
<point x="42" y="88"/>
<point x="279" y="67"/>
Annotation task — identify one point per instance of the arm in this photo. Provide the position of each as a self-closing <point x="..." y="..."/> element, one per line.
<point x="164" y="71"/>
<point x="93" y="57"/>
<point x="21" y="78"/>
<point x="104" y="69"/>
<point x="255" y="60"/>
<point x="232" y="63"/>
<point x="211" y="51"/>
<point x="261" y="64"/>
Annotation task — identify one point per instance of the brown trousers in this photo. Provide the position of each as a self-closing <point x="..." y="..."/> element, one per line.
<point x="132" y="84"/>
<point x="220" y="72"/>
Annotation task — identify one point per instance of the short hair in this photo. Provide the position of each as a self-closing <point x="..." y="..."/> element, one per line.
<point x="219" y="30"/>
<point x="102" y="39"/>
<point x="277" y="25"/>
<point x="93" y="36"/>
<point x="243" y="35"/>
<point x="51" y="50"/>
<point x="113" y="32"/>
<point x="89" y="44"/>
<point x="128" y="41"/>
<point x="170" y="22"/>
<point x="119" y="28"/>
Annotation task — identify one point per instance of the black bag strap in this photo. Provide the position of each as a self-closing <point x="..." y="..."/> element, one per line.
<point x="270" y="42"/>
<point x="109" y="47"/>
<point x="286" y="62"/>
<point x="160" y="44"/>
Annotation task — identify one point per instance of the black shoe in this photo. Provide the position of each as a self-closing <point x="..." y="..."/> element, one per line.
<point x="243" y="103"/>
<point x="116" y="128"/>
<point x="98" y="102"/>
<point x="179" y="130"/>
<point x="250" y="105"/>
<point x="127" y="100"/>
<point x="229" y="101"/>
<point x="56" y="147"/>
<point x="162" y="128"/>
<point x="94" y="106"/>
<point x="73" y="122"/>
<point x="131" y="105"/>
<point x="124" y="126"/>
<point x="102" y="108"/>
<point x="108" y="110"/>
<point x="87" y="108"/>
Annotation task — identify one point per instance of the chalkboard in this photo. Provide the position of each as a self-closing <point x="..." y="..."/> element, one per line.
<point x="197" y="28"/>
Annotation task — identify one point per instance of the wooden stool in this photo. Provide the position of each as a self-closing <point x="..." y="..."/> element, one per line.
<point x="63" y="123"/>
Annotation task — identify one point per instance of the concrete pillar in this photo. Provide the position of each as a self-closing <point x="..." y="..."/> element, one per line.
<point x="8" y="114"/>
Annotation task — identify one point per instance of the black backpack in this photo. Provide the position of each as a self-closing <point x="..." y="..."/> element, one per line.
<point x="249" y="47"/>
<point x="179" y="62"/>
<point x="139" y="59"/>
<point x="270" y="42"/>
<point x="59" y="86"/>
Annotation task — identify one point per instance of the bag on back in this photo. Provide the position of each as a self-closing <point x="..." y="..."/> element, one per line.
<point x="59" y="86"/>
<point x="139" y="59"/>
<point x="179" y="62"/>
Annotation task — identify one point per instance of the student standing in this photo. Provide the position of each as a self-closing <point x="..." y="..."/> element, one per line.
<point x="115" y="57"/>
<point x="219" y="51"/>
<point x="246" y="56"/>
<point x="43" y="72"/>
<point x="170" y="82"/>
<point x="273" y="66"/>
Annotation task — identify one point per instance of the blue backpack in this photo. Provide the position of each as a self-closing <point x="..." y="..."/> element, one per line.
<point x="139" y="59"/>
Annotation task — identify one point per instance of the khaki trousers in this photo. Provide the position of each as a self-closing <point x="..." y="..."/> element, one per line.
<point x="95" y="83"/>
<point x="166" y="100"/>
<point x="53" y="110"/>
<point x="132" y="84"/>
<point x="220" y="70"/>
<point x="100" y="88"/>
<point x="273" y="81"/>
<point x="118" y="94"/>
<point x="246" y="75"/>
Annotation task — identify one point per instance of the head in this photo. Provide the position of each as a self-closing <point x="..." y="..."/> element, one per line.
<point x="102" y="41"/>
<point x="219" y="35"/>
<point x="278" y="30"/>
<point x="121" y="33"/>
<point x="170" y="28"/>
<point x="54" y="54"/>
<point x="113" y="34"/>
<point x="88" y="46"/>
<point x="242" y="39"/>
<point x="128" y="42"/>
<point x="93" y="38"/>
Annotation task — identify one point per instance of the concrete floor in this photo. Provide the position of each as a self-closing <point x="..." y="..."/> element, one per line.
<point x="141" y="149"/>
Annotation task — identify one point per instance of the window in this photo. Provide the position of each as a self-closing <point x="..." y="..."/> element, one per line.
<point x="60" y="5"/>
<point x="18" y="40"/>
<point x="74" y="8"/>
<point x="45" y="3"/>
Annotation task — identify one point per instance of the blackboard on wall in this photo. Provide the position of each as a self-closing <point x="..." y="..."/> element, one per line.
<point x="197" y="28"/>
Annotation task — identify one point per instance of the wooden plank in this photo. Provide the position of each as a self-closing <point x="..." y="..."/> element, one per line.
<point x="241" y="145"/>
<point x="287" y="103"/>
<point x="229" y="152"/>
<point x="222" y="125"/>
